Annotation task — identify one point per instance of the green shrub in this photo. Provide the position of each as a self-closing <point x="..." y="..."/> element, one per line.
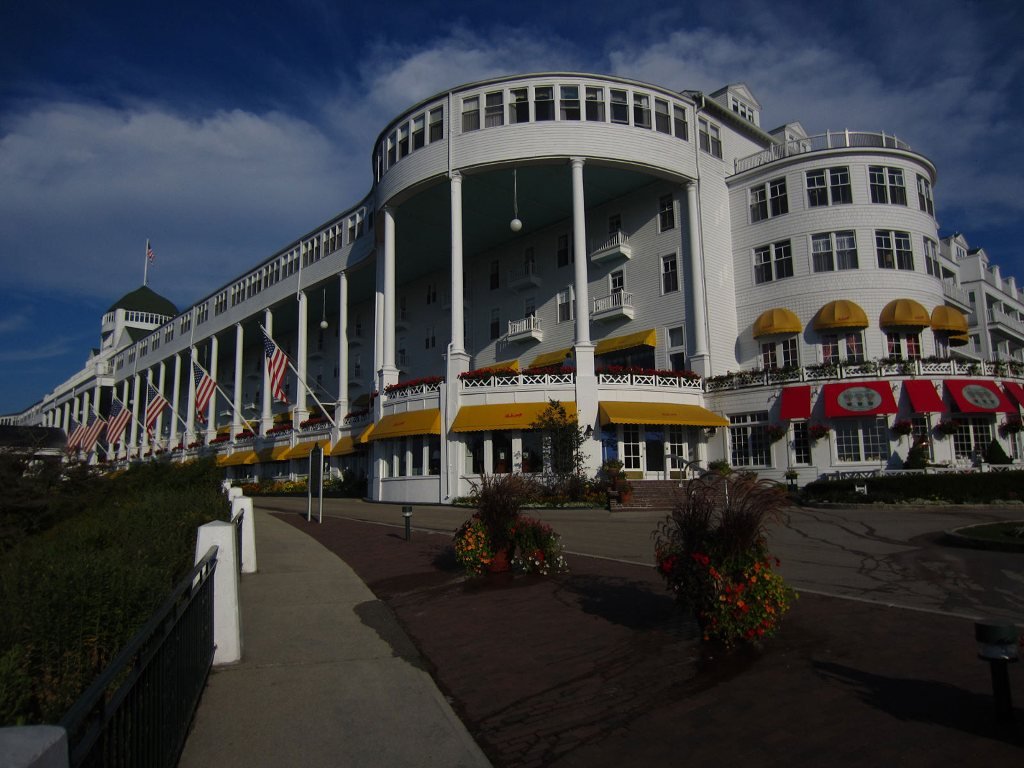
<point x="72" y="595"/>
<point x="956" y="488"/>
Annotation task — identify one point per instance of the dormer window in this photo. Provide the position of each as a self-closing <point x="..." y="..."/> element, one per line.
<point x="743" y="110"/>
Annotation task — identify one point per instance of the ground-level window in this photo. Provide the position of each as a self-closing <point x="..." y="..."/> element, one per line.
<point x="533" y="452"/>
<point x="862" y="440"/>
<point x="475" y="454"/>
<point x="501" y="448"/>
<point x="801" y="443"/>
<point x="919" y="432"/>
<point x="749" y="446"/>
<point x="631" y="447"/>
<point x="972" y="436"/>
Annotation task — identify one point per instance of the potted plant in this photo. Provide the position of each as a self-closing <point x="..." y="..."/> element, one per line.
<point x="775" y="432"/>
<point x="817" y="431"/>
<point x="712" y="553"/>
<point x="946" y="427"/>
<point x="485" y="542"/>
<point x="902" y="427"/>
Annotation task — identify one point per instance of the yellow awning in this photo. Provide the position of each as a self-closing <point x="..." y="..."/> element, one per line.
<point x="237" y="459"/>
<point x="511" y="365"/>
<point x="948" y="319"/>
<point x="479" y="418"/>
<point x="273" y="454"/>
<point x="840" y="314"/>
<point x="903" y="313"/>
<point x="281" y="418"/>
<point x="364" y="436"/>
<point x="222" y="460"/>
<point x="302" y="450"/>
<point x="776" y="320"/>
<point x="612" y="412"/>
<point x="425" y="422"/>
<point x="345" y="446"/>
<point x="959" y="339"/>
<point x="551" y="358"/>
<point x="647" y="338"/>
<point x="224" y="430"/>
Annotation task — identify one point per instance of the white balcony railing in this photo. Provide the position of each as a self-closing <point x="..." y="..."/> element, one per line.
<point x="953" y="291"/>
<point x="1006" y="319"/>
<point x="618" y="304"/>
<point x="525" y="277"/>
<point x="615" y="246"/>
<point x="821" y="142"/>
<point x="524" y="329"/>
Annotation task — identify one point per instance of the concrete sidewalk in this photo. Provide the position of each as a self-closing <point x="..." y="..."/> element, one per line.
<point x="327" y="677"/>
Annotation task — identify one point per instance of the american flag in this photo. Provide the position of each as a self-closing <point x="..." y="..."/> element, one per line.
<point x="205" y="387"/>
<point x="277" y="366"/>
<point x="155" y="404"/>
<point x="119" y="417"/>
<point x="92" y="432"/>
<point x="75" y="434"/>
<point x="150" y="256"/>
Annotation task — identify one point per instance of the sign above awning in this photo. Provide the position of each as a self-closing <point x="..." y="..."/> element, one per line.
<point x="482" y="418"/>
<point x="978" y="396"/>
<point x="795" y="402"/>
<point x="670" y="414"/>
<point x="863" y="398"/>
<point x="923" y="397"/>
<point x="425" y="422"/>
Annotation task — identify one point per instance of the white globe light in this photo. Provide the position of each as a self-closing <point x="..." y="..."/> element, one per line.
<point x="515" y="225"/>
<point x="323" y="324"/>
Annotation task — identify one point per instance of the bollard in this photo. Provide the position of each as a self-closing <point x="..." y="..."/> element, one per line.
<point x="997" y="644"/>
<point x="407" y="514"/>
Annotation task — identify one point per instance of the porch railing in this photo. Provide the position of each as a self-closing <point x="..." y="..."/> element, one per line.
<point x="823" y="141"/>
<point x="138" y="711"/>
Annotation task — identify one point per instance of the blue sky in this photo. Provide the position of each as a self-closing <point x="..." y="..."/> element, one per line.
<point x="223" y="130"/>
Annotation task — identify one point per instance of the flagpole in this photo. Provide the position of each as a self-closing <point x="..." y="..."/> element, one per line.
<point x="302" y="382"/>
<point x="145" y="264"/>
<point x="224" y="394"/>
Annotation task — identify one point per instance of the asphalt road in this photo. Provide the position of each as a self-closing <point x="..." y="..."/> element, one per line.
<point x="891" y="555"/>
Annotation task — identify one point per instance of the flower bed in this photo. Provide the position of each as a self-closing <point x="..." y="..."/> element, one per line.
<point x="487" y="374"/>
<point x="401" y="386"/>
<point x="637" y="371"/>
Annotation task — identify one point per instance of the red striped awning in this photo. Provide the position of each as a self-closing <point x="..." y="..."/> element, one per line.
<point x="978" y="396"/>
<point x="1015" y="390"/>
<point x="923" y="397"/>
<point x="863" y="398"/>
<point x="795" y="403"/>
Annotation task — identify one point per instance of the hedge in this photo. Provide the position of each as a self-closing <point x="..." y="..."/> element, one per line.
<point x="955" y="488"/>
<point x="72" y="595"/>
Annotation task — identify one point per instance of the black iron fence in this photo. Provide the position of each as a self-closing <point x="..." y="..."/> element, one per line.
<point x="137" y="713"/>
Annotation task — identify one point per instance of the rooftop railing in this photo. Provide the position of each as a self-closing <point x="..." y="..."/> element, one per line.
<point x="819" y="143"/>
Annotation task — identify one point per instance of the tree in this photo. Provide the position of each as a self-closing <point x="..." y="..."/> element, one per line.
<point x="563" y="441"/>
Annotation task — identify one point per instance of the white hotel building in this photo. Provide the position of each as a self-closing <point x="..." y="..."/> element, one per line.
<point x="593" y="237"/>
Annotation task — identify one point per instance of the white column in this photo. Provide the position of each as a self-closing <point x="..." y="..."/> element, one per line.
<point x="586" y="380"/>
<point x="85" y="407"/>
<point x="190" y="418"/>
<point x="342" y="407"/>
<point x="161" y="380"/>
<point x="388" y="367"/>
<point x="211" y="415"/>
<point x="175" y="401"/>
<point x="236" y="418"/>
<point x="579" y="252"/>
<point x="126" y="401"/>
<point x="457" y="317"/>
<point x="267" y="413"/>
<point x="301" y="411"/>
<point x="66" y="416"/>
<point x="699" y="359"/>
<point x="145" y="432"/>
<point x="133" y="440"/>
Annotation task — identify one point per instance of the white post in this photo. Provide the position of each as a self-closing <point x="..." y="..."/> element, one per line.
<point x="267" y="412"/>
<point x="243" y="506"/>
<point x="175" y="401"/>
<point x="236" y="419"/>
<point x="301" y="411"/>
<point x="190" y="418"/>
<point x="699" y="361"/>
<point x="342" y="407"/>
<point x="211" y="416"/>
<point x="134" y="439"/>
<point x="389" y="371"/>
<point x="458" y="324"/>
<point x="227" y="623"/>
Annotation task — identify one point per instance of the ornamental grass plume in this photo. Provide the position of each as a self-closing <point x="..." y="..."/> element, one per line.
<point x="712" y="552"/>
